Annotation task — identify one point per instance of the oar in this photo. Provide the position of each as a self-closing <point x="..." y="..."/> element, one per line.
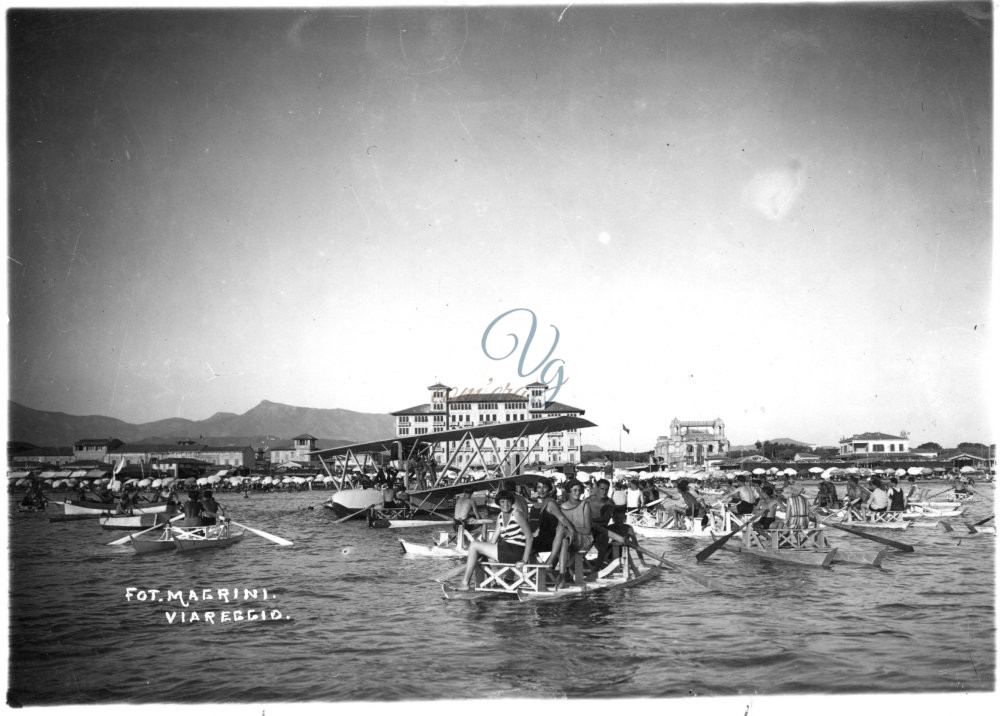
<point x="277" y="540"/>
<point x="983" y="522"/>
<point x="703" y="581"/>
<point x="127" y="537"/>
<point x="874" y="538"/>
<point x="713" y="548"/>
<point x="353" y="514"/>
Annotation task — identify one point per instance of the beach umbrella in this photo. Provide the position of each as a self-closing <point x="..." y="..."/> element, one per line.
<point x="156" y="483"/>
<point x="914" y="471"/>
<point x="201" y="481"/>
<point x="926" y="471"/>
<point x="583" y="476"/>
<point x="967" y="469"/>
<point x="815" y="470"/>
<point x="327" y="479"/>
<point x="72" y="482"/>
<point x="267" y="480"/>
<point x="759" y="471"/>
<point x="114" y="485"/>
<point x="20" y="483"/>
<point x="773" y="471"/>
<point x="145" y="482"/>
<point x="213" y="480"/>
<point x="900" y="472"/>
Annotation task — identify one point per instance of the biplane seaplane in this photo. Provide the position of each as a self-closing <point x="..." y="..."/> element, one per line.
<point x="434" y="504"/>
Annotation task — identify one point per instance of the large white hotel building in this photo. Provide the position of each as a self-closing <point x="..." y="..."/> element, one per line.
<point x="450" y="409"/>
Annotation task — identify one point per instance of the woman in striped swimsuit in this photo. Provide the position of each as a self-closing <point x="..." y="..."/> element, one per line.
<point x="511" y="540"/>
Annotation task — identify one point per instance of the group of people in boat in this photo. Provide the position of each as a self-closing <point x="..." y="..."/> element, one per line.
<point x="549" y="530"/>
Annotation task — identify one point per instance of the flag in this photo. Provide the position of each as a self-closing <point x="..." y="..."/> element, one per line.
<point x="626" y="429"/>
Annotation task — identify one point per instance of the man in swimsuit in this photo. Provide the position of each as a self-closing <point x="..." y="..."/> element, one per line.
<point x="601" y="509"/>
<point x="692" y="507"/>
<point x="210" y="509"/>
<point x="465" y="509"/>
<point x="192" y="510"/>
<point x="747" y="496"/>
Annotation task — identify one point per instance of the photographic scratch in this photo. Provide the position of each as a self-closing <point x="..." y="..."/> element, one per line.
<point x="11" y="258"/>
<point x="564" y="12"/>
<point x="363" y="210"/>
<point x="72" y="257"/>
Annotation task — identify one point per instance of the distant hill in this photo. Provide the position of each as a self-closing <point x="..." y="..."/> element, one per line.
<point x="266" y="421"/>
<point x="773" y="441"/>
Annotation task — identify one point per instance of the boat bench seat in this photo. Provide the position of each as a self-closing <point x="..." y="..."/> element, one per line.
<point x="809" y="538"/>
<point x="504" y="577"/>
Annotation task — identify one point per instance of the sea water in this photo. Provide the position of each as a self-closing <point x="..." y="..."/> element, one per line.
<point x="344" y="616"/>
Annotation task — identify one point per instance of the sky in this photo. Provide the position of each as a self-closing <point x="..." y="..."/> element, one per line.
<point x="775" y="215"/>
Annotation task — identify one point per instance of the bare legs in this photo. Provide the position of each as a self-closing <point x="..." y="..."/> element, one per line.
<point x="476" y="550"/>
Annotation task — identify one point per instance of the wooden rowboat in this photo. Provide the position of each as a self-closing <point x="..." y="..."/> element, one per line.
<point x="107" y="509"/>
<point x="207" y="538"/>
<point x="185" y="539"/>
<point x="134" y="522"/>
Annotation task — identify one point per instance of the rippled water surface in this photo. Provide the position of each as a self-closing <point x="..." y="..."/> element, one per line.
<point x="354" y="610"/>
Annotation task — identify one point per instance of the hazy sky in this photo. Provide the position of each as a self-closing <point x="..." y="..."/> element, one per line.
<point x="776" y="215"/>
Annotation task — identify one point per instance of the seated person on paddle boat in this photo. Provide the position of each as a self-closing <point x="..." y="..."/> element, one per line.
<point x="911" y="494"/>
<point x="855" y="492"/>
<point x="601" y="509"/>
<point x="747" y="495"/>
<point x="769" y="505"/>
<point x="693" y="507"/>
<point x="897" y="501"/>
<point x="554" y="529"/>
<point x="633" y="497"/>
<point x="520" y="503"/>
<point x="796" y="508"/>
<point x="826" y="495"/>
<point x="878" y="500"/>
<point x="511" y="542"/>
<point x="621" y="528"/>
<point x="578" y="513"/>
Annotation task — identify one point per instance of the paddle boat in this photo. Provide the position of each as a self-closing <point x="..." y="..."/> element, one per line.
<point x="805" y="546"/>
<point x="863" y="517"/>
<point x="646" y="525"/>
<point x="533" y="582"/>
<point x="916" y="512"/>
<point x="447" y="544"/>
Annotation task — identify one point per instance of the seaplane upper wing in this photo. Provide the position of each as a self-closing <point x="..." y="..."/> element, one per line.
<point x="500" y="431"/>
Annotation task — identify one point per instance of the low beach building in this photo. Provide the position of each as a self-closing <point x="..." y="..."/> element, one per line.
<point x="147" y="453"/>
<point x="874" y="444"/>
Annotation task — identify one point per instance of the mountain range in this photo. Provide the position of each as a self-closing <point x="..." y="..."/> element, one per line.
<point x="266" y="422"/>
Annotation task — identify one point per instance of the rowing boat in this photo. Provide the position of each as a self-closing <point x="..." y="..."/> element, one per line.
<point x="99" y="509"/>
<point x="133" y="522"/>
<point x="597" y="584"/>
<point x="936" y="505"/>
<point x="207" y="538"/>
<point x="185" y="539"/>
